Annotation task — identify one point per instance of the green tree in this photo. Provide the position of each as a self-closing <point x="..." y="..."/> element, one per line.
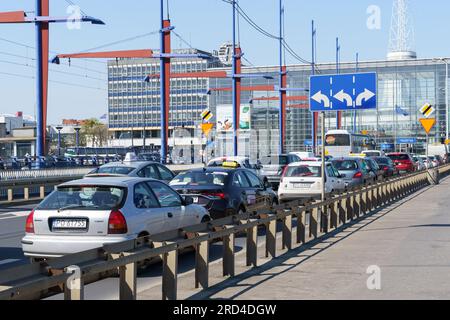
<point x="93" y="133"/>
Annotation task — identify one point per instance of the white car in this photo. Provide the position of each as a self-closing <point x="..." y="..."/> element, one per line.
<point x="89" y="213"/>
<point x="304" y="155"/>
<point x="304" y="180"/>
<point x="373" y="153"/>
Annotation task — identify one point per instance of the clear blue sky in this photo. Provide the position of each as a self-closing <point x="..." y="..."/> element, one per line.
<point x="206" y="24"/>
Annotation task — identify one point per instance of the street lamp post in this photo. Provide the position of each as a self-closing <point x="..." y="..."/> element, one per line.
<point x="77" y="138"/>
<point x="59" y="128"/>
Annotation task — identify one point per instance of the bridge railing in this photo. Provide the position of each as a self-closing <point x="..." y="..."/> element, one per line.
<point x="68" y="274"/>
<point x="34" y="185"/>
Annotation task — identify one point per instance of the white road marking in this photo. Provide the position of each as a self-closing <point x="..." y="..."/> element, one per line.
<point x="8" y="261"/>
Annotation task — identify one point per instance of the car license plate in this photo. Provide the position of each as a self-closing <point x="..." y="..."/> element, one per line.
<point x="69" y="224"/>
<point x="301" y="185"/>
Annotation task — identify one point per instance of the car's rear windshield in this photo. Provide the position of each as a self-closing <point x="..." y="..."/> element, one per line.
<point x="84" y="198"/>
<point x="371" y="153"/>
<point x="385" y="161"/>
<point x="398" y="157"/>
<point x="115" y="170"/>
<point x="303" y="171"/>
<point x="345" y="165"/>
<point x="276" y="160"/>
<point x="200" y="178"/>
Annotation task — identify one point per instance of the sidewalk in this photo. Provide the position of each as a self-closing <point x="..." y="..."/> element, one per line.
<point x="409" y="241"/>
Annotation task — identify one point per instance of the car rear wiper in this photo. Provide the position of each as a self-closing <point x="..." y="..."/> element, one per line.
<point x="72" y="206"/>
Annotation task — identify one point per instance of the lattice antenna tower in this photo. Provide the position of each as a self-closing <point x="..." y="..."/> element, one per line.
<point x="401" y="41"/>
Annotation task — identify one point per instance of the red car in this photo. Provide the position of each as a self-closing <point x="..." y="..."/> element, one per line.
<point x="402" y="161"/>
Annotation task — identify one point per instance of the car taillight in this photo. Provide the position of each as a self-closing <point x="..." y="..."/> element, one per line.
<point x="220" y="195"/>
<point x="117" y="224"/>
<point x="386" y="168"/>
<point x="357" y="175"/>
<point x="29" y="225"/>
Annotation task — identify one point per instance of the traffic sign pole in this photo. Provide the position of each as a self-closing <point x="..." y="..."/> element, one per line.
<point x="323" y="154"/>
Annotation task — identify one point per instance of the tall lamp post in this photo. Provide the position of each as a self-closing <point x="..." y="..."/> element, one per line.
<point x="446" y="61"/>
<point x="77" y="138"/>
<point x="59" y="128"/>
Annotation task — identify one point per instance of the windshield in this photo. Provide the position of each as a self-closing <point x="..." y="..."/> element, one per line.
<point x="276" y="160"/>
<point x="197" y="178"/>
<point x="115" y="170"/>
<point x="399" y="157"/>
<point x="303" y="171"/>
<point x="345" y="165"/>
<point x="383" y="161"/>
<point x="337" y="140"/>
<point x="84" y="198"/>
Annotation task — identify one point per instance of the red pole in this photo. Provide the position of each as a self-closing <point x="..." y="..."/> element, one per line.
<point x="44" y="10"/>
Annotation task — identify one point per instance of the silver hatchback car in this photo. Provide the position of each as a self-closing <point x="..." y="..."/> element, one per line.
<point x="91" y="212"/>
<point x="143" y="169"/>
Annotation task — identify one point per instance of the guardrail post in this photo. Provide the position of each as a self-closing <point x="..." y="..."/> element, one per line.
<point x="228" y="254"/>
<point x="42" y="192"/>
<point x="357" y="204"/>
<point x="287" y="232"/>
<point x="202" y="264"/>
<point x="334" y="208"/>
<point x="313" y="222"/>
<point x="169" y="272"/>
<point x="301" y="226"/>
<point x="10" y="195"/>
<point x="370" y="200"/>
<point x="349" y="206"/>
<point x="252" y="246"/>
<point x="364" y="203"/>
<point x="127" y="278"/>
<point x="271" y="237"/>
<point x="74" y="287"/>
<point x="26" y="193"/>
<point x="342" y="210"/>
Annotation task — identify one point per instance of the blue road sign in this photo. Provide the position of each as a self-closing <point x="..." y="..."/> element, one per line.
<point x="343" y="92"/>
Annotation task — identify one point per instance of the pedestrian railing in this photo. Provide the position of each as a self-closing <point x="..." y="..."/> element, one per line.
<point x="69" y="273"/>
<point x="10" y="175"/>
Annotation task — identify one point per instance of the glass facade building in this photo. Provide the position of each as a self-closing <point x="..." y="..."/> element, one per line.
<point x="403" y="87"/>
<point x="134" y="104"/>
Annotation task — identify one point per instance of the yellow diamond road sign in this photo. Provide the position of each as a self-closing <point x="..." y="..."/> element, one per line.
<point x="207" y="115"/>
<point x="427" y="110"/>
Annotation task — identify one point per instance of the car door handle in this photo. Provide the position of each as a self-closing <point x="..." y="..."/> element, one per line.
<point x="170" y="215"/>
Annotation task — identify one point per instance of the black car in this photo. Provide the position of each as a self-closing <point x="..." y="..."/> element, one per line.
<point x="225" y="191"/>
<point x="376" y="169"/>
<point x="387" y="165"/>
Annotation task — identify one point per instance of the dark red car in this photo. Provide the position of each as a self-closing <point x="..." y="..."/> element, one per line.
<point x="402" y="161"/>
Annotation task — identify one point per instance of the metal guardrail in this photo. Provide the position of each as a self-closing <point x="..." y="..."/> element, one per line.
<point x="34" y="185"/>
<point x="11" y="175"/>
<point x="31" y="281"/>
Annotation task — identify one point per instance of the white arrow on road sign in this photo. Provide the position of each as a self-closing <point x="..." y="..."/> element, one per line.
<point x="320" y="97"/>
<point x="341" y="96"/>
<point x="366" y="95"/>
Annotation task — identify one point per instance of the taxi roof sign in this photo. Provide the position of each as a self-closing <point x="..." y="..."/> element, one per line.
<point x="230" y="164"/>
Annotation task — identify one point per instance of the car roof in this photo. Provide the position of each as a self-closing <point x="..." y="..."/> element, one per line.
<point x="130" y="164"/>
<point x="213" y="169"/>
<point x="347" y="158"/>
<point x="307" y="163"/>
<point x="124" y="181"/>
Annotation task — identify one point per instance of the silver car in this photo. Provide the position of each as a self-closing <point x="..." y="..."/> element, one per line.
<point x="143" y="169"/>
<point x="355" y="171"/>
<point x="91" y="212"/>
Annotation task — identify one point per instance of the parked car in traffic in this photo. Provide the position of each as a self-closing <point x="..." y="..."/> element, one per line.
<point x="304" y="155"/>
<point x="152" y="156"/>
<point x="387" y="165"/>
<point x="375" y="168"/>
<point x="143" y="169"/>
<point x="355" y="171"/>
<point x="225" y="191"/>
<point x="274" y="165"/>
<point x="420" y="164"/>
<point x="402" y="161"/>
<point x="304" y="180"/>
<point x="243" y="162"/>
<point x="89" y="213"/>
<point x="373" y="153"/>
